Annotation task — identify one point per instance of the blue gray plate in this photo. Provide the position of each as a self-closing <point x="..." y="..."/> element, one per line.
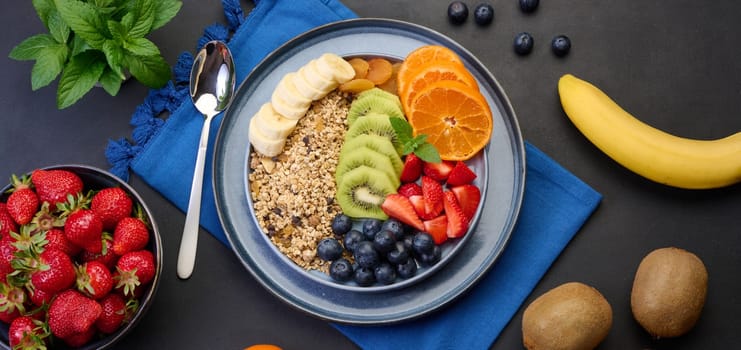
<point x="464" y="261"/>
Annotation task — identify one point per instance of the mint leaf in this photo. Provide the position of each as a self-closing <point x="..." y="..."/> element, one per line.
<point x="402" y="128"/>
<point x="31" y="48"/>
<point x="78" y="45"/>
<point x="43" y="9"/>
<point x="48" y="65"/>
<point x="164" y="11"/>
<point x="79" y="76"/>
<point x="141" y="47"/>
<point x="114" y="55"/>
<point x="428" y="153"/>
<point x="110" y="81"/>
<point x="57" y="27"/>
<point x="152" y="71"/>
<point x="143" y="17"/>
<point x="84" y="20"/>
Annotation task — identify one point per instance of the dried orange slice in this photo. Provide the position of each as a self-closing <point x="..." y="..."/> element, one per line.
<point x="455" y="117"/>
<point x="421" y="57"/>
<point x="432" y="72"/>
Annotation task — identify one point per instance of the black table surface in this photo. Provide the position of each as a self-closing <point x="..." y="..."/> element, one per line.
<point x="674" y="64"/>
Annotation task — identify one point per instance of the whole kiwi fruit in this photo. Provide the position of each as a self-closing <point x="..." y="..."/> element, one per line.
<point x="572" y="316"/>
<point x="669" y="292"/>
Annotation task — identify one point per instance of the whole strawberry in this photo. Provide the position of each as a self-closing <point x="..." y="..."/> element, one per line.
<point x="85" y="229"/>
<point x="22" y="202"/>
<point x="94" y="279"/>
<point x="12" y="302"/>
<point x="7" y="224"/>
<point x="111" y="204"/>
<point x="106" y="256"/>
<point x="116" y="312"/>
<point x="27" y="333"/>
<point x="56" y="239"/>
<point x="53" y="186"/>
<point x="134" y="271"/>
<point x="7" y="254"/>
<point x="72" y="316"/>
<point x="131" y="234"/>
<point x="53" y="271"/>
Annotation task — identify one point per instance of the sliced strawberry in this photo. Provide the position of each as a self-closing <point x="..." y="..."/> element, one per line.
<point x="399" y="207"/>
<point x="412" y="168"/>
<point x="457" y="221"/>
<point x="432" y="191"/>
<point x="409" y="189"/>
<point x="461" y="175"/>
<point x="418" y="202"/>
<point x="438" y="171"/>
<point x="469" y="197"/>
<point x="438" y="228"/>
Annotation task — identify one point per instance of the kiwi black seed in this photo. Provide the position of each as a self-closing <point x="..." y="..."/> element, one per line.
<point x="380" y="144"/>
<point x="361" y="192"/>
<point x="375" y="124"/>
<point x="370" y="103"/>
<point x="366" y="156"/>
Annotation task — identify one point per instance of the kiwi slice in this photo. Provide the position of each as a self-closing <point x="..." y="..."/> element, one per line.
<point x="361" y="192"/>
<point x="375" y="124"/>
<point x="370" y="103"/>
<point x="380" y="93"/>
<point x="380" y="144"/>
<point x="368" y="157"/>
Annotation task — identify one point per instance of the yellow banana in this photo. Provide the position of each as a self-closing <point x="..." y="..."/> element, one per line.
<point x="652" y="153"/>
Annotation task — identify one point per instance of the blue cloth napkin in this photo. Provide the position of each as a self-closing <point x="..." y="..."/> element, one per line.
<point x="555" y="205"/>
<point x="163" y="151"/>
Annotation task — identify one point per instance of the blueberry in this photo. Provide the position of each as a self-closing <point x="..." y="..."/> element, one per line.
<point x="398" y="255"/>
<point x="528" y="6"/>
<point x="431" y="258"/>
<point x="341" y="224"/>
<point x="385" y="273"/>
<point x="483" y="14"/>
<point x="561" y="45"/>
<point x="365" y="255"/>
<point x="370" y="227"/>
<point x="407" y="269"/>
<point x="457" y="12"/>
<point x="395" y="226"/>
<point x="329" y="249"/>
<point x="524" y="43"/>
<point x="423" y="243"/>
<point x="407" y="241"/>
<point x="384" y="241"/>
<point x="364" y="276"/>
<point x="352" y="239"/>
<point x="341" y="270"/>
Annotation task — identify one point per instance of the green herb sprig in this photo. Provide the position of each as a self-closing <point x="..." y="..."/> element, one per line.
<point x="96" y="41"/>
<point x="414" y="144"/>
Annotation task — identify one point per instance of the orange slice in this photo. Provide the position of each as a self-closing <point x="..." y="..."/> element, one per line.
<point x="455" y="117"/>
<point x="432" y="72"/>
<point x="421" y="57"/>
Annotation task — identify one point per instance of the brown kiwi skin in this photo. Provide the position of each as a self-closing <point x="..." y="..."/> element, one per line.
<point x="572" y="316"/>
<point x="669" y="292"/>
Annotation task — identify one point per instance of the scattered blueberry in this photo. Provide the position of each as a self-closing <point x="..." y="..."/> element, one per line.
<point x="385" y="273"/>
<point x="407" y="241"/>
<point x="561" y="45"/>
<point x="395" y="226"/>
<point x="329" y="249"/>
<point x="423" y="243"/>
<point x="365" y="255"/>
<point x="457" y="12"/>
<point x="483" y="14"/>
<point x="341" y="270"/>
<point x="370" y="227"/>
<point x="398" y="255"/>
<point x="341" y="224"/>
<point x="528" y="6"/>
<point x="384" y="241"/>
<point x="351" y="240"/>
<point x="407" y="269"/>
<point x="432" y="257"/>
<point x="524" y="43"/>
<point x="364" y="276"/>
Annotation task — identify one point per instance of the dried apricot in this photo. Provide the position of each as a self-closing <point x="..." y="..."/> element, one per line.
<point x="356" y="86"/>
<point x="360" y="66"/>
<point x="379" y="70"/>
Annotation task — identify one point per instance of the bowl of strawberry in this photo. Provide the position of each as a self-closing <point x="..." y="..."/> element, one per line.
<point x="80" y="259"/>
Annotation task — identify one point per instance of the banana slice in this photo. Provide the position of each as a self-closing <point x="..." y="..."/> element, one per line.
<point x="305" y="89"/>
<point x="289" y="112"/>
<point x="319" y="81"/>
<point x="287" y="92"/>
<point x="333" y="65"/>
<point x="262" y="144"/>
<point x="271" y="124"/>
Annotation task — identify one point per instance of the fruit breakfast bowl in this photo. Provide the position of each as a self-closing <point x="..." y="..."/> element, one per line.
<point x="103" y="279"/>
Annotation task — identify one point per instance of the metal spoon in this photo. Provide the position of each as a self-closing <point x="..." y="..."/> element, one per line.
<point x="211" y="89"/>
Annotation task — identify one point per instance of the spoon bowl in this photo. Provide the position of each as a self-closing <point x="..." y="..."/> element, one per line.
<point x="212" y="80"/>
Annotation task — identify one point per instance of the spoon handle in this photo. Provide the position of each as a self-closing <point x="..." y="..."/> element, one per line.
<point x="189" y="241"/>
